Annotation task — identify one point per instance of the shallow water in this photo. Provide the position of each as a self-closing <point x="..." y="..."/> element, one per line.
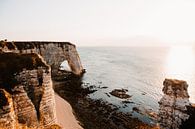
<point x="138" y="69"/>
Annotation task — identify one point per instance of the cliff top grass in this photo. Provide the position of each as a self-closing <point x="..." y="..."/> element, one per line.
<point x="13" y="63"/>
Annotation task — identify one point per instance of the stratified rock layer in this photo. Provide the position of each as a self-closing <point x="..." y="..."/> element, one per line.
<point x="27" y="78"/>
<point x="173" y="105"/>
<point x="7" y="114"/>
<point x="54" y="53"/>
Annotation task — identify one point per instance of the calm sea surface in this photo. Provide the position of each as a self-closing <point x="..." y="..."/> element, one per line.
<point x="138" y="69"/>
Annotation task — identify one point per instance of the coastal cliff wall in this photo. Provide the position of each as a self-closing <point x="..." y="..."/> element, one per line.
<point x="27" y="92"/>
<point x="54" y="53"/>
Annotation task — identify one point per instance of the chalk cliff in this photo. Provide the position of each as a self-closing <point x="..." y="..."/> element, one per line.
<point x="54" y="53"/>
<point x="27" y="95"/>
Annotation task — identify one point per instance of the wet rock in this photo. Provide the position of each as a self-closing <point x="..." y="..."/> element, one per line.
<point x="97" y="114"/>
<point x="127" y="102"/>
<point x="100" y="82"/>
<point x="136" y="109"/>
<point x="120" y="93"/>
<point x="104" y="87"/>
<point x="154" y="115"/>
<point x="92" y="87"/>
<point x="107" y="94"/>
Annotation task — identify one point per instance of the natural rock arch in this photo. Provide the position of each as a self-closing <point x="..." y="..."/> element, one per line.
<point x="54" y="53"/>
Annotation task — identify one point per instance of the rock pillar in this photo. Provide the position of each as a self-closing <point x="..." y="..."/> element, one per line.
<point x="173" y="105"/>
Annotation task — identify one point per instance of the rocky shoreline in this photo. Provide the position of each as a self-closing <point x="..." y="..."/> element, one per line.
<point x="94" y="114"/>
<point x="99" y="114"/>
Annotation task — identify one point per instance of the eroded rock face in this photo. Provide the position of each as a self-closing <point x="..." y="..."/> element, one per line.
<point x="54" y="53"/>
<point x="27" y="78"/>
<point x="173" y="105"/>
<point x="35" y="96"/>
<point x="7" y="114"/>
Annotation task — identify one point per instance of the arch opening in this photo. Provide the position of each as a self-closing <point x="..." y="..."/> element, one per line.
<point x="64" y="66"/>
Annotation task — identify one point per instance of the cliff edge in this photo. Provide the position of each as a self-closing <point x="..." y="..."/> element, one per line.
<point x="54" y="53"/>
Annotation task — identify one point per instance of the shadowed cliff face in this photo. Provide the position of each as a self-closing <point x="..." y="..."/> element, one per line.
<point x="7" y="114"/>
<point x="12" y="63"/>
<point x="189" y="124"/>
<point x="26" y="76"/>
<point x="27" y="79"/>
<point x="54" y="53"/>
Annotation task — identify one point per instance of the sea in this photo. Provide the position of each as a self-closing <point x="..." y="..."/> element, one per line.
<point x="140" y="70"/>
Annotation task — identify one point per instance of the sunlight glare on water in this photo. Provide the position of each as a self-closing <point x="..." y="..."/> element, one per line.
<point x="181" y="61"/>
<point x="138" y="69"/>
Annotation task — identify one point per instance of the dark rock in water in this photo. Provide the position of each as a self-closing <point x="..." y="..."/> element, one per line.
<point x="136" y="109"/>
<point x="95" y="114"/>
<point x="92" y="87"/>
<point x="84" y="70"/>
<point x="104" y="87"/>
<point x="153" y="115"/>
<point x="120" y="93"/>
<point x="127" y="102"/>
<point x="107" y="94"/>
<point x="100" y="82"/>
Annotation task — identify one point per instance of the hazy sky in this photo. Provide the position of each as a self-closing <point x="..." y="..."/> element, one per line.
<point x="99" y="22"/>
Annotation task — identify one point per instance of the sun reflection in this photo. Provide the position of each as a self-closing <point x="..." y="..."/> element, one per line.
<point x="180" y="63"/>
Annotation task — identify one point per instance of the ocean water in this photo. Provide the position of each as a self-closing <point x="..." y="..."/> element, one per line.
<point x="141" y="70"/>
